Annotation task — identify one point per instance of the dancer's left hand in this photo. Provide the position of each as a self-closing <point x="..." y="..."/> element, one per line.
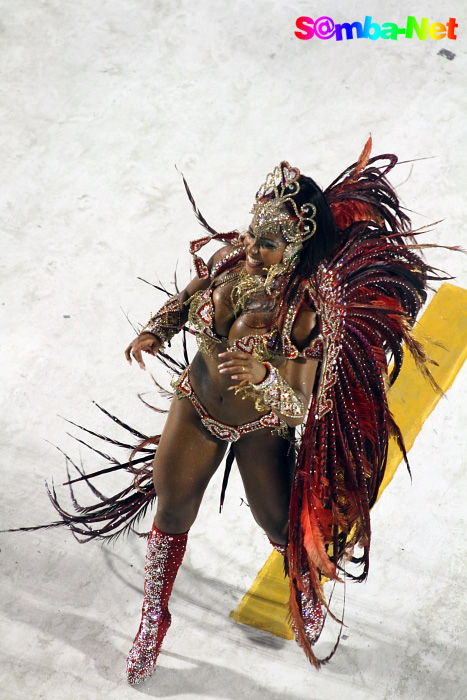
<point x="242" y="366"/>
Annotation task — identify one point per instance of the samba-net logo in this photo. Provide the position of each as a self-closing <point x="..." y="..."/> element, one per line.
<point x="325" y="28"/>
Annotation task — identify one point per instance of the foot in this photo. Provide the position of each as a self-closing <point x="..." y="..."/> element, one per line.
<point x="313" y="619"/>
<point x="143" y="655"/>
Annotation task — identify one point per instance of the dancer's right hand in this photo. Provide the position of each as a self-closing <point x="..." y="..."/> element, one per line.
<point x="146" y="342"/>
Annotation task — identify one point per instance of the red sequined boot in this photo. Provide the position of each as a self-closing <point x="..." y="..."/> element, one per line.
<point x="164" y="556"/>
<point x="312" y="610"/>
<point x="313" y="618"/>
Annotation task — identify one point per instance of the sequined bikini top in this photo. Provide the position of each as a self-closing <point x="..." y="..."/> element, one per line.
<point x="275" y="343"/>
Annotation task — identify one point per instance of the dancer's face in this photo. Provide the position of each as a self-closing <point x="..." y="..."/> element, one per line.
<point x="262" y="251"/>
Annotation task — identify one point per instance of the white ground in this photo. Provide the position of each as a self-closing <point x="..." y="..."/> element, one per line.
<point x="99" y="100"/>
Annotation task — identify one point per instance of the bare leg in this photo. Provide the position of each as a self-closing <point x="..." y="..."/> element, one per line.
<point x="186" y="459"/>
<point x="267" y="472"/>
<point x="266" y="464"/>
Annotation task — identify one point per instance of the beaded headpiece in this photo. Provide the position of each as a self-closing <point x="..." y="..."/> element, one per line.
<point x="270" y="215"/>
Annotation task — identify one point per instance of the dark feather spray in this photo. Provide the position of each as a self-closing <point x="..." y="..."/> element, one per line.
<point x="373" y="286"/>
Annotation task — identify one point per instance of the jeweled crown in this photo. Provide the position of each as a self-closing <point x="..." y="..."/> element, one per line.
<point x="269" y="213"/>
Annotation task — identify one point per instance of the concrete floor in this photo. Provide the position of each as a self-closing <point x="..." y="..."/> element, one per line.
<point x="98" y="101"/>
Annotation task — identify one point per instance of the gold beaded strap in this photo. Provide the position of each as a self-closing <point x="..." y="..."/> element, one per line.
<point x="274" y="392"/>
<point x="166" y="322"/>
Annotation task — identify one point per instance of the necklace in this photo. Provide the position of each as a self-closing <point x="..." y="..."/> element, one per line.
<point x="245" y="289"/>
<point x="228" y="277"/>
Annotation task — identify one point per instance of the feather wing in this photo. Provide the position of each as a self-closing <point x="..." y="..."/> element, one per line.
<point x="368" y="296"/>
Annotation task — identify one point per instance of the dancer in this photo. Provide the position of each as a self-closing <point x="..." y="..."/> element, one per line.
<point x="296" y="320"/>
<point x="317" y="281"/>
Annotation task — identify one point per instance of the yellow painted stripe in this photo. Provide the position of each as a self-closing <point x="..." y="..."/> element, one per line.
<point x="411" y="401"/>
<point x="265" y="604"/>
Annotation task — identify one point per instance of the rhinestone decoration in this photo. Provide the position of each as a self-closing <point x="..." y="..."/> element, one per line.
<point x="222" y="431"/>
<point x="274" y="392"/>
<point x="166" y="322"/>
<point x="263" y="347"/>
<point x="163" y="558"/>
<point x="332" y="314"/>
<point x="271" y="215"/>
<point x="313" y="618"/>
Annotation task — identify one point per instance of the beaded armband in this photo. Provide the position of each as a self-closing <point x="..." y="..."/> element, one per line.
<point x="274" y="393"/>
<point x="166" y="322"/>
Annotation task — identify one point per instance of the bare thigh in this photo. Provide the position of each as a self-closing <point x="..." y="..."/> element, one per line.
<point x="266" y="464"/>
<point x="186" y="458"/>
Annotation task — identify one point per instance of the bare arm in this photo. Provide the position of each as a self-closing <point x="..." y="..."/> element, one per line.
<point x="296" y="389"/>
<point x="148" y="341"/>
<point x="298" y="375"/>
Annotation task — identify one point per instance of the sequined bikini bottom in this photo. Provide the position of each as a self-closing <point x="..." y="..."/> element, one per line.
<point x="231" y="433"/>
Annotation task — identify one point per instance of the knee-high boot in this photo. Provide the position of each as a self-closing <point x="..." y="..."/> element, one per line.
<point x="312" y="610"/>
<point x="164" y="556"/>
